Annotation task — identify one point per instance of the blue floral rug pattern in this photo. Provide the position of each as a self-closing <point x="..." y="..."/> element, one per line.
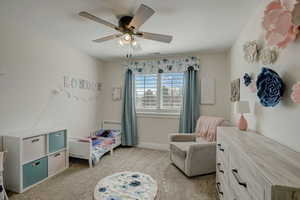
<point x="126" y="186"/>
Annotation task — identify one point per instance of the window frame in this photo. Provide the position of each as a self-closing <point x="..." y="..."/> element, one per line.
<point x="158" y="109"/>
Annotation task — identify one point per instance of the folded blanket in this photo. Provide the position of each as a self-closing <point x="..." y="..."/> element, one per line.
<point x="207" y="127"/>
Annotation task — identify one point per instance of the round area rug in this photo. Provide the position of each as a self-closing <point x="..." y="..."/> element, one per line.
<point x="126" y="186"/>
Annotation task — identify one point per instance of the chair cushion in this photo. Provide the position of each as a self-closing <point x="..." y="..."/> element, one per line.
<point x="200" y="140"/>
<point x="180" y="148"/>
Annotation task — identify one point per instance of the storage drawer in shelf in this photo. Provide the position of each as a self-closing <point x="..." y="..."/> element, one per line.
<point x="34" y="148"/>
<point x="35" y="171"/>
<point x="57" y="141"/>
<point x="56" y="162"/>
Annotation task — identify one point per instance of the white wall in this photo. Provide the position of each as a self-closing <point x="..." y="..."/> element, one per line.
<point x="153" y="131"/>
<point x="281" y="122"/>
<point x="33" y="67"/>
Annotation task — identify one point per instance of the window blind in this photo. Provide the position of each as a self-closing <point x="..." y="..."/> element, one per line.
<point x="159" y="92"/>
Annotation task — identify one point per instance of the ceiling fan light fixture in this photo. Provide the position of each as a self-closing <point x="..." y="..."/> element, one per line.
<point x="134" y="43"/>
<point x="121" y="42"/>
<point x="127" y="37"/>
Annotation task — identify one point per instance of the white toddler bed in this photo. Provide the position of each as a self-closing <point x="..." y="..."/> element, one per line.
<point x="83" y="147"/>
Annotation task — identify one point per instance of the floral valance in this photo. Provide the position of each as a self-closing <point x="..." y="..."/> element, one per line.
<point x="164" y="65"/>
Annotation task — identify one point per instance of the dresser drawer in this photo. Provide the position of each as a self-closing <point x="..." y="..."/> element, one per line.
<point x="244" y="178"/>
<point x="222" y="151"/>
<point x="220" y="188"/>
<point x="221" y="171"/>
<point x="35" y="171"/>
<point x="223" y="189"/>
<point x="57" y="141"/>
<point x="56" y="162"/>
<point x="33" y="148"/>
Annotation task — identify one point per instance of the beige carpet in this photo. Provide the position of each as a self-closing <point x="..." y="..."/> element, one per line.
<point x="78" y="182"/>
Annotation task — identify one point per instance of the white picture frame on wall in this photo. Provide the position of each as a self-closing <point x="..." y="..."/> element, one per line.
<point x="116" y="93"/>
<point x="208" y="91"/>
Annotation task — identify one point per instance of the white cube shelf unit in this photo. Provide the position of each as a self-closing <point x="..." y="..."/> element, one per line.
<point x="33" y="157"/>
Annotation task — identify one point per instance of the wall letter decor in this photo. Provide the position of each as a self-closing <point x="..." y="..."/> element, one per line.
<point x="76" y="83"/>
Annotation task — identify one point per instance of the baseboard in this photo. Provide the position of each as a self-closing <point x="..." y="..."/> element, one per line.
<point x="156" y="146"/>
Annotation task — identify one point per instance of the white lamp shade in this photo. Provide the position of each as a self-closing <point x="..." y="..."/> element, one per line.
<point x="242" y="107"/>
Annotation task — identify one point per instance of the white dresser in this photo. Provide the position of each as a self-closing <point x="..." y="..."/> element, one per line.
<point x="34" y="156"/>
<point x="253" y="167"/>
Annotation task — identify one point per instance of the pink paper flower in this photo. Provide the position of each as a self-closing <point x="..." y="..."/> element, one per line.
<point x="295" y="96"/>
<point x="279" y="22"/>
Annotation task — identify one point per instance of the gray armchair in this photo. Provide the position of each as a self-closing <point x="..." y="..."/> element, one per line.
<point x="192" y="155"/>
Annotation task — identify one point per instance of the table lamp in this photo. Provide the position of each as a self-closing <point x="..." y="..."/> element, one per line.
<point x="242" y="107"/>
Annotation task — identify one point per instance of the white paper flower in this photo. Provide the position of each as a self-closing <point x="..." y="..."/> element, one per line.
<point x="268" y="56"/>
<point x="251" y="51"/>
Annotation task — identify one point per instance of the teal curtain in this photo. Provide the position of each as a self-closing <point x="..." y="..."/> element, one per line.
<point x="129" y="130"/>
<point x="191" y="99"/>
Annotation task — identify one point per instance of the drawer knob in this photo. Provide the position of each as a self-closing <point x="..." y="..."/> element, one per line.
<point x="36" y="164"/>
<point x="218" y="189"/>
<point x="220" y="147"/>
<point x="58" y="154"/>
<point x="238" y="178"/>
<point x="219" y="168"/>
<point x="35" y="140"/>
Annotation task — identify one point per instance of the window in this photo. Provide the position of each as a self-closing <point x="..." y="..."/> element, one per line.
<point x="161" y="93"/>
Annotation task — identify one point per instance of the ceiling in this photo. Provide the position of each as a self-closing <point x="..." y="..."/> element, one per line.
<point x="197" y="25"/>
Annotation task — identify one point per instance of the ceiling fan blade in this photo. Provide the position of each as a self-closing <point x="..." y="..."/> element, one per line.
<point x="97" y="19"/>
<point x="141" y="16"/>
<point x="156" y="37"/>
<point x="110" y="37"/>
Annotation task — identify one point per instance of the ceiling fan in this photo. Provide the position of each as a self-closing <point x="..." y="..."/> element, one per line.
<point x="129" y="27"/>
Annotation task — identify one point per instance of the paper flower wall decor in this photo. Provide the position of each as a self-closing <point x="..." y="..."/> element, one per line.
<point x="268" y="56"/>
<point x="251" y="50"/>
<point x="247" y="79"/>
<point x="295" y="96"/>
<point x="281" y="21"/>
<point x="270" y="87"/>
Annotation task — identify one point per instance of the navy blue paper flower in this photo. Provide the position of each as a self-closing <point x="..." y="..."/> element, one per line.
<point x="247" y="79"/>
<point x="160" y="71"/>
<point x="270" y="87"/>
<point x="170" y="67"/>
